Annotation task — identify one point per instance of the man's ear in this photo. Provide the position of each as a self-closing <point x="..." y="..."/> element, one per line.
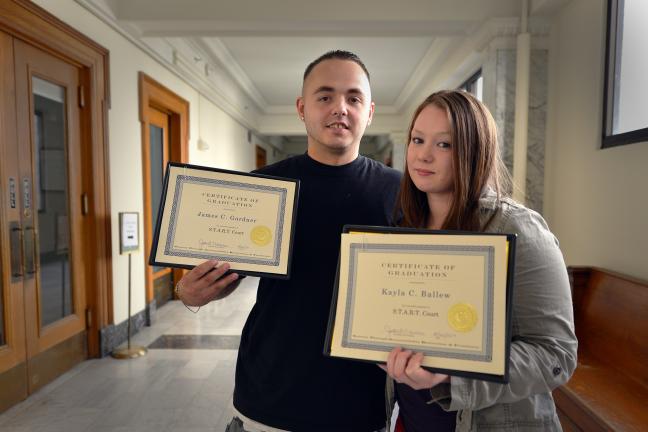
<point x="300" y="107"/>
<point x="372" y="108"/>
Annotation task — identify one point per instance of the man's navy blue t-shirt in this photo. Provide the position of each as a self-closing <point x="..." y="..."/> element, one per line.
<point x="282" y="377"/>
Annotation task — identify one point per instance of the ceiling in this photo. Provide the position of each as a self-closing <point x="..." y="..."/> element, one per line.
<point x="263" y="46"/>
<point x="279" y="80"/>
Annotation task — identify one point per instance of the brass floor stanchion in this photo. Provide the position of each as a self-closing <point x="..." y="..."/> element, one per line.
<point x="130" y="351"/>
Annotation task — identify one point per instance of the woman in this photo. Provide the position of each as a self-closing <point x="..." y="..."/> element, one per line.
<point x="455" y="180"/>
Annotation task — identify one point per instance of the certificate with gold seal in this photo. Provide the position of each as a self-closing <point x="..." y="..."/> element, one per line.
<point x="443" y="293"/>
<point x="244" y="219"/>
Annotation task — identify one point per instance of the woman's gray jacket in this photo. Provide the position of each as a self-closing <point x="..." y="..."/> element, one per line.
<point x="543" y="344"/>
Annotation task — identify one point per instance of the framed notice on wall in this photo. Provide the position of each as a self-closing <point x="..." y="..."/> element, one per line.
<point x="442" y="293"/>
<point x="244" y="219"/>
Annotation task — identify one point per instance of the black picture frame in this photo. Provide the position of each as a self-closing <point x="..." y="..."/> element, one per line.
<point x="165" y="194"/>
<point x="511" y="238"/>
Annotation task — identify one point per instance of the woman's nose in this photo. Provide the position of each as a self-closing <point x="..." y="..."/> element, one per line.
<point x="426" y="154"/>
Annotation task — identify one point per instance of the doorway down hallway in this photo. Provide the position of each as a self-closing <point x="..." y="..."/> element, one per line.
<point x="184" y="383"/>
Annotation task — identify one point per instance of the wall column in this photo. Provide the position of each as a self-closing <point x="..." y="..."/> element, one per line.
<point x="399" y="143"/>
<point x="521" y="130"/>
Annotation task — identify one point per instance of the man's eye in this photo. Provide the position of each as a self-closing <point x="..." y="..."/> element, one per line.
<point x="355" y="100"/>
<point x="324" y="98"/>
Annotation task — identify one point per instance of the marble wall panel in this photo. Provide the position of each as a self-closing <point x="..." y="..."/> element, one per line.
<point x="504" y="114"/>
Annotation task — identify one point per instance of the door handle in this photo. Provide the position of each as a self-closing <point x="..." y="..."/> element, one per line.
<point x="15" y="243"/>
<point x="30" y="259"/>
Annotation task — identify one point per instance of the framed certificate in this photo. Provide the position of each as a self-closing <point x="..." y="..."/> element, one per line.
<point x="446" y="294"/>
<point x="244" y="219"/>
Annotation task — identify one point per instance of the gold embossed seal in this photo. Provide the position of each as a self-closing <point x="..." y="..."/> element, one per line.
<point x="261" y="235"/>
<point x="462" y="317"/>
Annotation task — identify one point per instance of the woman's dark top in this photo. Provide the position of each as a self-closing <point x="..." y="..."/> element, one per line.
<point x="419" y="416"/>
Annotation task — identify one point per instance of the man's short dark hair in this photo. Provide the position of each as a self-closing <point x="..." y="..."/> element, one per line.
<point x="336" y="55"/>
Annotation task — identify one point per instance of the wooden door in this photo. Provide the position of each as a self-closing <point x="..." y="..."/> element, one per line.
<point x="165" y="137"/>
<point x="13" y="365"/>
<point x="261" y="157"/>
<point x="44" y="276"/>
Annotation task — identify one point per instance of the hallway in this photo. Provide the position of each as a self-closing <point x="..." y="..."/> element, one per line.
<point x="169" y="389"/>
<point x="98" y="96"/>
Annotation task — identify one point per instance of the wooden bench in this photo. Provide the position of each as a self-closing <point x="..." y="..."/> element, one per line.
<point x="609" y="390"/>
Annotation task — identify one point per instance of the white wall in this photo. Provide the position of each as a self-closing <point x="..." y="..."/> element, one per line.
<point x="227" y="140"/>
<point x="228" y="146"/>
<point x="596" y="201"/>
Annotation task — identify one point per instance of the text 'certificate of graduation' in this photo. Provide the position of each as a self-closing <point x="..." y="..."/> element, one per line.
<point x="438" y="293"/>
<point x="244" y="219"/>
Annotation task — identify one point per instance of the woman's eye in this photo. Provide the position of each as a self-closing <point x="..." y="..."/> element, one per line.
<point x="416" y="140"/>
<point x="444" y="145"/>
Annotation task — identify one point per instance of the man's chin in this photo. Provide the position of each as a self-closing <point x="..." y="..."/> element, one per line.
<point x="338" y="142"/>
<point x="339" y="148"/>
<point x="336" y="146"/>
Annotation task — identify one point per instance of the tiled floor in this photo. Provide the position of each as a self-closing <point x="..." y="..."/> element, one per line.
<point x="166" y="390"/>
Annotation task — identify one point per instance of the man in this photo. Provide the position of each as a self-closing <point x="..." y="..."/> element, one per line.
<point x="283" y="381"/>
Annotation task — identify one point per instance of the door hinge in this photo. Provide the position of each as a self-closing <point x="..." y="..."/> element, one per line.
<point x="88" y="313"/>
<point x="84" y="204"/>
<point x="81" y="97"/>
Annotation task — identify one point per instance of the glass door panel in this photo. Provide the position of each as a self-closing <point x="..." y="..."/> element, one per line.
<point x="157" y="164"/>
<point x="51" y="200"/>
<point x="156" y="158"/>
